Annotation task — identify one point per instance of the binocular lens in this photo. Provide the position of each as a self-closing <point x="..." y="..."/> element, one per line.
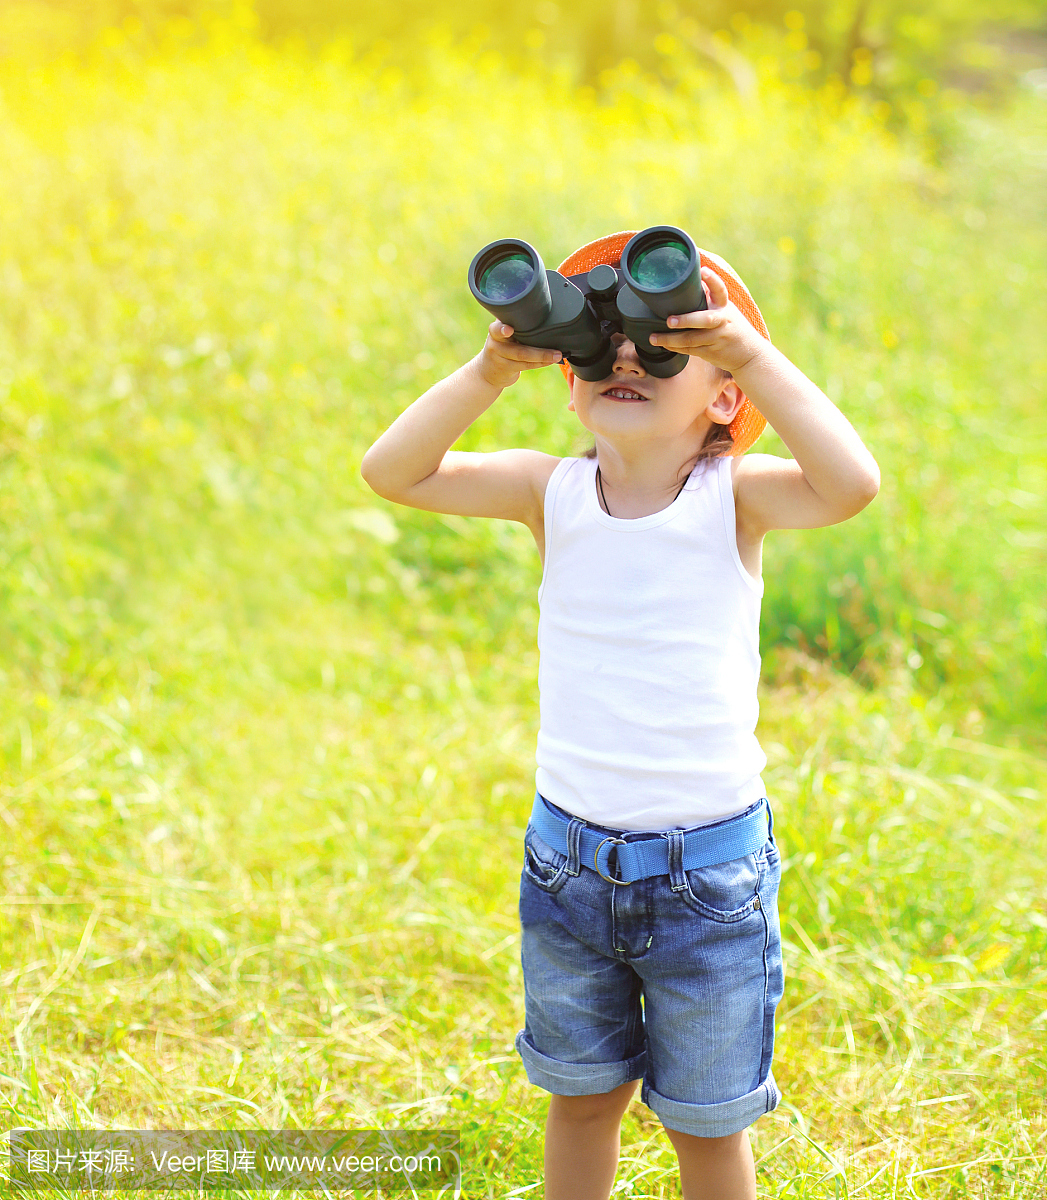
<point x="661" y="266"/>
<point x="507" y="278"/>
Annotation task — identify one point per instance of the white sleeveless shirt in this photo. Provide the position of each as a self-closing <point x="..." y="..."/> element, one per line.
<point x="649" y="641"/>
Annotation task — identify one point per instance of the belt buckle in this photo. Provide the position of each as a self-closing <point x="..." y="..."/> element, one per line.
<point x="615" y="841"/>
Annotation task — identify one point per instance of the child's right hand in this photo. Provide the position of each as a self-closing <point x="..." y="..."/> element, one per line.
<point x="501" y="360"/>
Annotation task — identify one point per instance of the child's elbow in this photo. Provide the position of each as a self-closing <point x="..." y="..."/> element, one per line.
<point x="371" y="472"/>
<point x="868" y="487"/>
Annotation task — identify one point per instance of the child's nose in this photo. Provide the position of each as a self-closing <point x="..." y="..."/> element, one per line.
<point x="628" y="359"/>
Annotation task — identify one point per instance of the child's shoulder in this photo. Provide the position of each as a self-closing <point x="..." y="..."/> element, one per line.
<point x="541" y="467"/>
<point x="773" y="493"/>
<point x="761" y="484"/>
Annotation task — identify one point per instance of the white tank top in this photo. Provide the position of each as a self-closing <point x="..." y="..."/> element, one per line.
<point x="649" y="657"/>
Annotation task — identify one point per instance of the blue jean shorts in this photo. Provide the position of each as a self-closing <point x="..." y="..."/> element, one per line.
<point x="672" y="979"/>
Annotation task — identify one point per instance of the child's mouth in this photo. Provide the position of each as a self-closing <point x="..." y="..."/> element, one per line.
<point x="625" y="394"/>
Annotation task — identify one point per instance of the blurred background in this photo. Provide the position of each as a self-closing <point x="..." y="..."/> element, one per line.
<point x="267" y="741"/>
<point x="871" y="170"/>
<point x="886" y="48"/>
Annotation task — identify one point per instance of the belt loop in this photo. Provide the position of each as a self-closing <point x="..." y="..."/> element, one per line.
<point x="574" y="838"/>
<point x="676" y="874"/>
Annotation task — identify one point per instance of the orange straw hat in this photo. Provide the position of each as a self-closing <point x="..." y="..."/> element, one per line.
<point x="749" y="423"/>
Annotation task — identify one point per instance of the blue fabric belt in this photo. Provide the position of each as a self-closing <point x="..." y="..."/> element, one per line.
<point x="649" y="854"/>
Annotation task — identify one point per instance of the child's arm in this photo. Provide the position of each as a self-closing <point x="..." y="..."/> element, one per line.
<point x="833" y="476"/>
<point x="411" y="463"/>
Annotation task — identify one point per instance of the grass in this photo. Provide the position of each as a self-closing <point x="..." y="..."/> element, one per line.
<point x="267" y="742"/>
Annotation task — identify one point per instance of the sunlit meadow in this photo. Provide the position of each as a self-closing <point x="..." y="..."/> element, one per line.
<point x="268" y="741"/>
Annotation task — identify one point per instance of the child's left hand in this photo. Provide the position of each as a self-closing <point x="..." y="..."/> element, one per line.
<point x="719" y="334"/>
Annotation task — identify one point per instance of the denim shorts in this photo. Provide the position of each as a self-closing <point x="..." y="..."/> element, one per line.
<point x="672" y="979"/>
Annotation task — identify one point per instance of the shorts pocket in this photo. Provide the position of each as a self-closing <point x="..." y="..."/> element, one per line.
<point x="544" y="866"/>
<point x="729" y="891"/>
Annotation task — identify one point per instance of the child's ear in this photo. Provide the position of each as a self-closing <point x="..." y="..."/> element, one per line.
<point x="570" y="384"/>
<point x="728" y="401"/>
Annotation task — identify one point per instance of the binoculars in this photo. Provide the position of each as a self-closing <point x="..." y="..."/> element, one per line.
<point x="659" y="276"/>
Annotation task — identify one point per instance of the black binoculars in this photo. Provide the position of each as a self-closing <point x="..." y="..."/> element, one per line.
<point x="660" y="276"/>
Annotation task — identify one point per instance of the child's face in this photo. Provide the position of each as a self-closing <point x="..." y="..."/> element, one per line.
<point x="632" y="406"/>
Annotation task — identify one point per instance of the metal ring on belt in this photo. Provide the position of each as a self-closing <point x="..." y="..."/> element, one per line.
<point x="615" y="841"/>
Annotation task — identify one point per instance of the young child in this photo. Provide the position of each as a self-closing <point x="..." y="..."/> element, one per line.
<point x="648" y="896"/>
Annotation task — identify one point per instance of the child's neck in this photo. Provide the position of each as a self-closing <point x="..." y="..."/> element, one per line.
<point x="640" y="480"/>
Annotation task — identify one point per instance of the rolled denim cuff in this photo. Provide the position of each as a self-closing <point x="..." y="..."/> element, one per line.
<point x="577" y="1079"/>
<point x="715" y="1120"/>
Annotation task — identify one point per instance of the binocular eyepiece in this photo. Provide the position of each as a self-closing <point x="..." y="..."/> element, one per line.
<point x="659" y="276"/>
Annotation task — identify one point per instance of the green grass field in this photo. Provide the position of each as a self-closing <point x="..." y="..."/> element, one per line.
<point x="267" y="741"/>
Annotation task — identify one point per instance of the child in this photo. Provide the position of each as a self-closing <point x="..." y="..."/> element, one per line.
<point x="648" y="896"/>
